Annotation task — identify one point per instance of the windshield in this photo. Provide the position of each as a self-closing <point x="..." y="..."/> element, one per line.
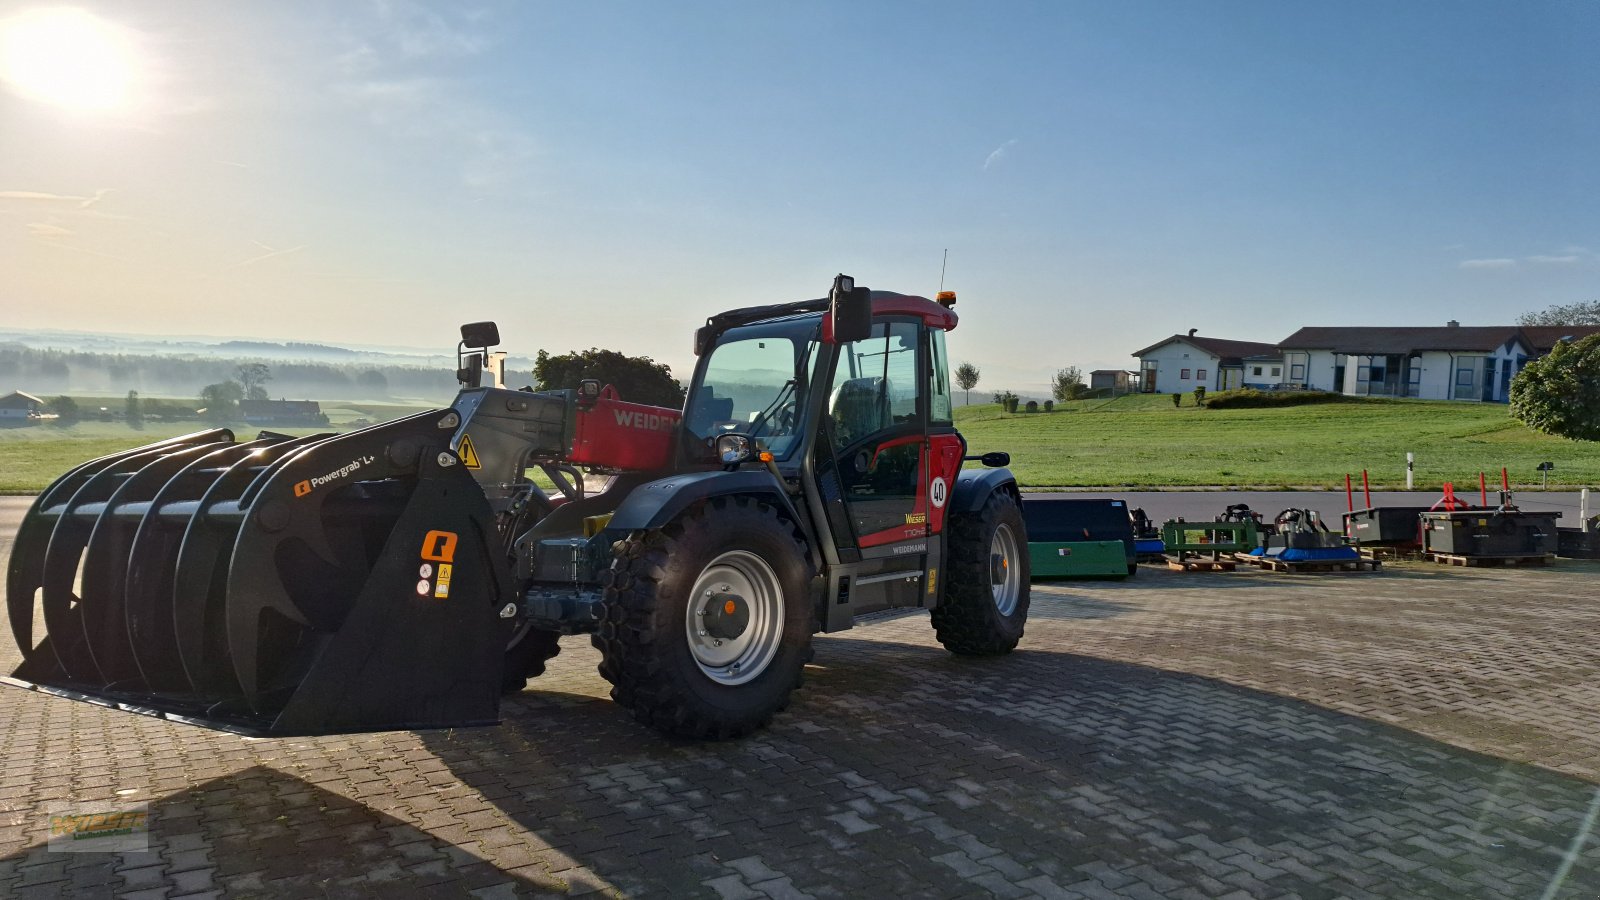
<point x="755" y="381"/>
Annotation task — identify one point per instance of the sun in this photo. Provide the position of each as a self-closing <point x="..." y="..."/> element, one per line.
<point x="69" y="58"/>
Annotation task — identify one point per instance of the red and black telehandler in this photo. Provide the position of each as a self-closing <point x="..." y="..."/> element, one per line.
<point x="408" y="574"/>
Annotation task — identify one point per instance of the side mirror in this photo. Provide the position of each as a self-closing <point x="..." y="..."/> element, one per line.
<point x="849" y="310"/>
<point x="480" y="334"/>
<point x="588" y="391"/>
<point x="734" y="448"/>
<point x="998" y="459"/>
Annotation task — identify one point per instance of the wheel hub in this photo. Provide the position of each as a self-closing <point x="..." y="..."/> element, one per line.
<point x="734" y="621"/>
<point x="727" y="616"/>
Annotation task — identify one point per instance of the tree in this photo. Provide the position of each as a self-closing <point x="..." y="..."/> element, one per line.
<point x="967" y="379"/>
<point x="638" y="379"/>
<point x="1582" y="313"/>
<point x="63" y="406"/>
<point x="220" y="401"/>
<point x="373" y="382"/>
<point x="1560" y="393"/>
<point x="133" y="412"/>
<point x="252" y="378"/>
<point x="1068" y="384"/>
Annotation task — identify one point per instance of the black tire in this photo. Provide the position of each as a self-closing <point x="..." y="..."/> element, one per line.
<point x="645" y="647"/>
<point x="526" y="658"/>
<point x="969" y="621"/>
<point x="1133" y="569"/>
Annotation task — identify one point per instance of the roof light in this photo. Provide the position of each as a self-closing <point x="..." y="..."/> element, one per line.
<point x="945" y="299"/>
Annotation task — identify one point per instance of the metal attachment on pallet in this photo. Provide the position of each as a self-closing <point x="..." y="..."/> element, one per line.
<point x="446" y="460"/>
<point x="450" y="420"/>
<point x="509" y="611"/>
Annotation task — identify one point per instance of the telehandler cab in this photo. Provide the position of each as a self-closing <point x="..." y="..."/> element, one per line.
<point x="407" y="574"/>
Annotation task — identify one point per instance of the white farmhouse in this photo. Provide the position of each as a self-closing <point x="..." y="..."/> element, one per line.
<point x="1448" y="363"/>
<point x="17" y="408"/>
<point x="1182" y="363"/>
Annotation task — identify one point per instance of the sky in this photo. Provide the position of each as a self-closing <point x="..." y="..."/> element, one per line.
<point x="609" y="174"/>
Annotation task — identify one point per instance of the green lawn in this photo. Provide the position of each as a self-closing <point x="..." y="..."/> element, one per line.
<point x="32" y="457"/>
<point x="1139" y="441"/>
<point x="1143" y="441"/>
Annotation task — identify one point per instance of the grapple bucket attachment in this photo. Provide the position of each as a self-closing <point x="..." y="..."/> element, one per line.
<point x="284" y="585"/>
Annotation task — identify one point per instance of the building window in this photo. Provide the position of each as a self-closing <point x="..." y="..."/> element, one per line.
<point x="1414" y="375"/>
<point x="1276" y="371"/>
<point x="1464" y="376"/>
<point x="1184" y="373"/>
<point x="1297" y="371"/>
<point x="1200" y="374"/>
<point x="1257" y="370"/>
<point x="1361" y="372"/>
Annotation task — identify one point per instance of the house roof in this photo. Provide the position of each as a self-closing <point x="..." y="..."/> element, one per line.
<point x="1378" y="341"/>
<point x="1543" y="337"/>
<point x="1112" y="372"/>
<point x="10" y="399"/>
<point x="1225" y="350"/>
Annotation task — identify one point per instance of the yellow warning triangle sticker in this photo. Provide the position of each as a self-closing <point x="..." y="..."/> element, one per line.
<point x="469" y="455"/>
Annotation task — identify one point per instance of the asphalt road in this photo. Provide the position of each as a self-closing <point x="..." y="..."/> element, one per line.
<point x="1161" y="506"/>
<point x="11" y="511"/>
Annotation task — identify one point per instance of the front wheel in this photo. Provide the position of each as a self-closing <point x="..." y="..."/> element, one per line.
<point x="707" y="622"/>
<point x="985" y="603"/>
<point x="526" y="654"/>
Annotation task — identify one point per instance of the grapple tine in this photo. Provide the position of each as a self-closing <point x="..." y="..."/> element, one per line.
<point x="284" y="563"/>
<point x="152" y="562"/>
<point x="63" y="614"/>
<point x="107" y="558"/>
<point x="25" y="572"/>
<point x="200" y="576"/>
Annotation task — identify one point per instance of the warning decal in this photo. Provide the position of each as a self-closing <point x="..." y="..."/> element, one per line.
<point x="469" y="454"/>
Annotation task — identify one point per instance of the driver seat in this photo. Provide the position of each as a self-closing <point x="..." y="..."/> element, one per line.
<point x="859" y="407"/>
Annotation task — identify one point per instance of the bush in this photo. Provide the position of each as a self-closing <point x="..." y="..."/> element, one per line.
<point x="1049" y="406"/>
<point x="1033" y="406"/>
<point x="1011" y="404"/>
<point x="1560" y="394"/>
<point x="1250" y="398"/>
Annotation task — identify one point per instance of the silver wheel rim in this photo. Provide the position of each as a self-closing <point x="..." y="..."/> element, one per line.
<point x="1005" y="578"/>
<point x="739" y="659"/>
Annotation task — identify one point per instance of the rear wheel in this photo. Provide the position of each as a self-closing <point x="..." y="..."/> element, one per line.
<point x="530" y="648"/>
<point x="707" y="623"/>
<point x="985" y="603"/>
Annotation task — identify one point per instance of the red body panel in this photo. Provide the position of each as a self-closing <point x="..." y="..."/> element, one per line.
<point x="885" y="303"/>
<point x="946" y="450"/>
<point x="614" y="434"/>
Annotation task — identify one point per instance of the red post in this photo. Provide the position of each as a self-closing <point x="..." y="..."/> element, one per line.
<point x="1449" y="497"/>
<point x="1505" y="480"/>
<point x="1483" y="489"/>
<point x="1366" y="491"/>
<point x="1349" y="495"/>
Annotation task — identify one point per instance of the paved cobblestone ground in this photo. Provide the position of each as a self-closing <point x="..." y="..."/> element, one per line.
<point x="1169" y="736"/>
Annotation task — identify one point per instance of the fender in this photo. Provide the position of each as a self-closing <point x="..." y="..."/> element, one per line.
<point x="654" y="504"/>
<point x="974" y="487"/>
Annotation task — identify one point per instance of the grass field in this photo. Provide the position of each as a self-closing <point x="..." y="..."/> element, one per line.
<point x="1137" y="441"/>
<point x="1143" y="441"/>
<point x="31" y="458"/>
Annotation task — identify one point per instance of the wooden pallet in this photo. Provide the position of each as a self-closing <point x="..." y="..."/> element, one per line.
<point x="1310" y="566"/>
<point x="1484" y="561"/>
<point x="1381" y="552"/>
<point x="1201" y="565"/>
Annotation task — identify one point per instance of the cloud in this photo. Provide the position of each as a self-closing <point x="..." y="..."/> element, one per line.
<point x="1554" y="260"/>
<point x="41" y="229"/>
<point x="998" y="154"/>
<point x="1499" y="263"/>
<point x="62" y="199"/>
<point x="271" y="252"/>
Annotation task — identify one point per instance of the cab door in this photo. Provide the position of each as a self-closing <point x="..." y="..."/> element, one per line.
<point x="877" y="435"/>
